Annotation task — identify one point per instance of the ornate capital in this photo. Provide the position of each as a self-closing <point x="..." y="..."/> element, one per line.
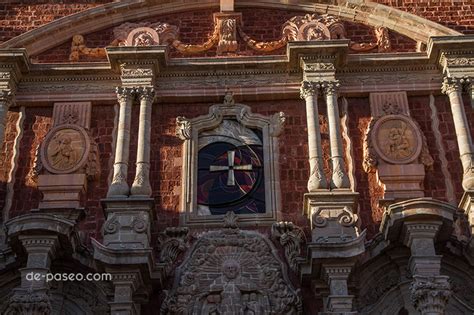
<point x="330" y="87"/>
<point x="451" y="85"/>
<point x="309" y="89"/>
<point x="430" y="294"/>
<point x="125" y="94"/>
<point x="6" y="97"/>
<point x="173" y="241"/>
<point x="146" y="94"/>
<point x="29" y="303"/>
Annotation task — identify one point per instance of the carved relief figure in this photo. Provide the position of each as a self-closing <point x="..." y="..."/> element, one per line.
<point x="232" y="272"/>
<point x="398" y="146"/>
<point x="232" y="293"/>
<point x="63" y="155"/>
<point x="143" y="39"/>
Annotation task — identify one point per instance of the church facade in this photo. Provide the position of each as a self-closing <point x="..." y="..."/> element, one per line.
<point x="237" y="157"/>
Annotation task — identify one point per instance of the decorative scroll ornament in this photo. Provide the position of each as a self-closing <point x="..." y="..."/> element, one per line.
<point x="173" y="241"/>
<point x="183" y="128"/>
<point x="227" y="29"/>
<point x="291" y="237"/>
<point x="313" y="27"/>
<point x="382" y="44"/>
<point x="231" y="271"/>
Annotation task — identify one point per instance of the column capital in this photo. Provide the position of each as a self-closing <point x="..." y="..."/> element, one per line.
<point x="309" y="88"/>
<point x="146" y="93"/>
<point x="6" y="96"/>
<point x="125" y="94"/>
<point x="452" y="84"/>
<point x="330" y="87"/>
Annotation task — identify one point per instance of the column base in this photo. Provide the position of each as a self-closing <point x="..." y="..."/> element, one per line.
<point x="128" y="223"/>
<point x="332" y="216"/>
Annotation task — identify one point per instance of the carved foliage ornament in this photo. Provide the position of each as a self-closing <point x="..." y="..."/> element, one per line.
<point x="291" y="237"/>
<point x="227" y="26"/>
<point x="231" y="271"/>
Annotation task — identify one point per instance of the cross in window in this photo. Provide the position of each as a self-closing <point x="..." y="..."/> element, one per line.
<point x="230" y="168"/>
<point x="227" y="5"/>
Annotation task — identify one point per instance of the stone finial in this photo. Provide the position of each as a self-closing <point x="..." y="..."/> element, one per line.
<point x="230" y="220"/>
<point x="229" y="98"/>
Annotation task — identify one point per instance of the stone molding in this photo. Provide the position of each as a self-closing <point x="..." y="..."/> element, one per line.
<point x="189" y="130"/>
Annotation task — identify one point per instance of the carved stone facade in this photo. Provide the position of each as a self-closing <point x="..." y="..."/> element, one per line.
<point x="235" y="157"/>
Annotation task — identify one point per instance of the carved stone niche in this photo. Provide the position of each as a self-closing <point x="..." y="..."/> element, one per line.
<point x="236" y="125"/>
<point x="395" y="148"/>
<point x="69" y="157"/>
<point x="232" y="271"/>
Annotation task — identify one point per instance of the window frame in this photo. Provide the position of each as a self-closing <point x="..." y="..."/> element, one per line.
<point x="189" y="131"/>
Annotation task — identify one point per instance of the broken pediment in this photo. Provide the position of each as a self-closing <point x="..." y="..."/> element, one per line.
<point x="226" y="34"/>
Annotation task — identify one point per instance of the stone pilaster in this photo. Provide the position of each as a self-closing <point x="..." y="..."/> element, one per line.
<point x="119" y="186"/>
<point x="339" y="175"/>
<point x="125" y="284"/>
<point x="32" y="295"/>
<point x="5" y="102"/>
<point x="141" y="185"/>
<point x="430" y="291"/>
<point x="453" y="88"/>
<point x="317" y="179"/>
<point x="419" y="224"/>
<point x="339" y="301"/>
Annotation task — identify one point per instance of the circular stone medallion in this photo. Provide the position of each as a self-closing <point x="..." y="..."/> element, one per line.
<point x="65" y="149"/>
<point x="396" y="139"/>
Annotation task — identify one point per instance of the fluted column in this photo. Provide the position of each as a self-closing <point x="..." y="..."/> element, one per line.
<point x="339" y="176"/>
<point x="119" y="186"/>
<point x="141" y="184"/>
<point x="453" y="88"/>
<point x="317" y="179"/>
<point x="5" y="102"/>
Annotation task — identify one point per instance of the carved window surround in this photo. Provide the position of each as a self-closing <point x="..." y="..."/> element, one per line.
<point x="189" y="131"/>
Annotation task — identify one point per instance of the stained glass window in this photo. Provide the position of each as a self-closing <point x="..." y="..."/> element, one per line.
<point x="230" y="171"/>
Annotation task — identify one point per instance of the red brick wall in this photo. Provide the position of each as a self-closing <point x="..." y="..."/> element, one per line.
<point x="455" y="14"/>
<point x="101" y="129"/>
<point x="36" y="124"/>
<point x="369" y="190"/>
<point x="20" y="16"/>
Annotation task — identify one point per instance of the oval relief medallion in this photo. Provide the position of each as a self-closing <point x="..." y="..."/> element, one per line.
<point x="397" y="139"/>
<point x="65" y="149"/>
